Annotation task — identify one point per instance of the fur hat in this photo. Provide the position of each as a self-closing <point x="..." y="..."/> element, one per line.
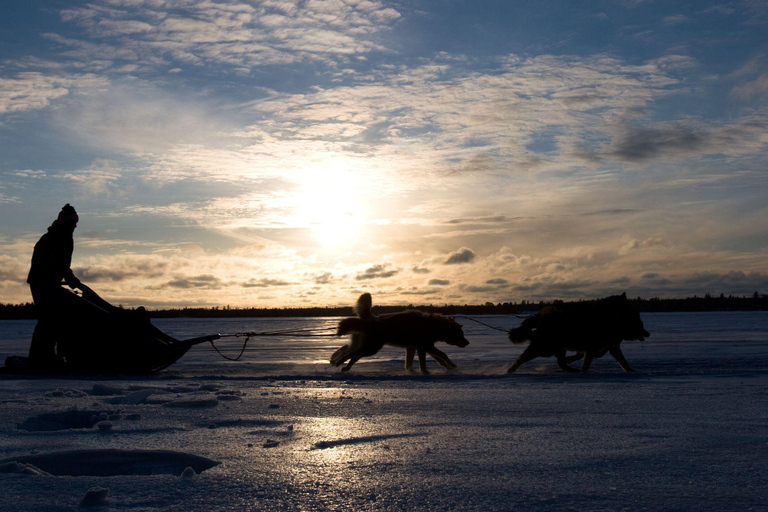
<point x="68" y="214"/>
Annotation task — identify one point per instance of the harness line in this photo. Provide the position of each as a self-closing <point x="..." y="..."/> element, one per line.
<point x="301" y="333"/>
<point x="482" y="323"/>
<point x="297" y="333"/>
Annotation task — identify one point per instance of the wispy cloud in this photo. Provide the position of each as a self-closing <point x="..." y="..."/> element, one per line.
<point x="377" y="272"/>
<point x="34" y="90"/>
<point x="242" y="34"/>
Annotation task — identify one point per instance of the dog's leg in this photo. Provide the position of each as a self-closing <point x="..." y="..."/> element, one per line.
<point x="618" y="355"/>
<point x="422" y="361"/>
<point x="562" y="362"/>
<point x="369" y="347"/>
<point x="442" y="358"/>
<point x="528" y="354"/>
<point x="339" y="356"/>
<point x="575" y="357"/>
<point x="409" y="353"/>
<point x="588" y="357"/>
<point x="349" y="364"/>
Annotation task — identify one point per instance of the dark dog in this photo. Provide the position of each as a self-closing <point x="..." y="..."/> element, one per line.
<point x="589" y="328"/>
<point x="415" y="331"/>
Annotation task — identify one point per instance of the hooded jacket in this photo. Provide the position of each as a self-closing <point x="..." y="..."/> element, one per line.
<point x="52" y="257"/>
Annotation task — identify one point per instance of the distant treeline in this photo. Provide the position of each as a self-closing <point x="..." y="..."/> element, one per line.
<point x="755" y="302"/>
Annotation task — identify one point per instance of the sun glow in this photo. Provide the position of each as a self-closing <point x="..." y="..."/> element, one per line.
<point x="330" y="202"/>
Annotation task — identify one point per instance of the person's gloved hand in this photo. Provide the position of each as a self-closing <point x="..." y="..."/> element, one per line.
<point x="72" y="281"/>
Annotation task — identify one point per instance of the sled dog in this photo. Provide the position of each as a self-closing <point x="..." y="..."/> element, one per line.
<point x="413" y="330"/>
<point x="590" y="328"/>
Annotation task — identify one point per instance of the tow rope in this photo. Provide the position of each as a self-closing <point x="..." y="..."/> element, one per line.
<point x="483" y="323"/>
<point x="300" y="333"/>
<point x="296" y="333"/>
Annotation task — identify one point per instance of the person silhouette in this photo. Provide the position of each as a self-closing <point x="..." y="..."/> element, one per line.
<point x="51" y="262"/>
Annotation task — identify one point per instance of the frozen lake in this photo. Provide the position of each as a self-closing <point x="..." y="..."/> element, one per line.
<point x="489" y="350"/>
<point x="688" y="431"/>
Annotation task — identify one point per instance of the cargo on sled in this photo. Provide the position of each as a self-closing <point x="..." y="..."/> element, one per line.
<point x="96" y="337"/>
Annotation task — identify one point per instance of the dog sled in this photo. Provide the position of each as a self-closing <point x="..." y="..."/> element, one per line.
<point x="96" y="337"/>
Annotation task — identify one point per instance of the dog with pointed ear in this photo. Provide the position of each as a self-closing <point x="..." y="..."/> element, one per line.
<point x="591" y="329"/>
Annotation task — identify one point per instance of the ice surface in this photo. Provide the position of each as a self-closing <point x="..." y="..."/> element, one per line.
<point x="689" y="431"/>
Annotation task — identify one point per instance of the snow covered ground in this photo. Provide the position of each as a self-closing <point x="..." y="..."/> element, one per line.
<point x="282" y="430"/>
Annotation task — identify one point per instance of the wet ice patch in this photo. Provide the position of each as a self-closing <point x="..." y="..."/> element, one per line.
<point x="106" y="390"/>
<point x="202" y="403"/>
<point x="239" y="423"/>
<point x="65" y="420"/>
<point x="322" y="445"/>
<point x="65" y="393"/>
<point x="134" y="398"/>
<point x="112" y="462"/>
<point x="228" y="398"/>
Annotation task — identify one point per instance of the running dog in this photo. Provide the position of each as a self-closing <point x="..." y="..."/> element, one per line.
<point x="589" y="328"/>
<point x="415" y="331"/>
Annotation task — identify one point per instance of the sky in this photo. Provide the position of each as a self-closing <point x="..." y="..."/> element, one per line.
<point x="297" y="153"/>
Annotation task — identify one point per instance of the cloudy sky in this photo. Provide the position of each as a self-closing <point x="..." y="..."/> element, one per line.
<point x="277" y="153"/>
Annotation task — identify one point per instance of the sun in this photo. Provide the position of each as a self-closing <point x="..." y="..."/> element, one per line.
<point x="330" y="201"/>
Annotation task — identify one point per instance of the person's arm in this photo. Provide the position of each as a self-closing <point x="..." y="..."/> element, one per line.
<point x="66" y="263"/>
<point x="71" y="280"/>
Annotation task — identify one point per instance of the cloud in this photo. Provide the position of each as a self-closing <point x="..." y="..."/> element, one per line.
<point x="29" y="91"/>
<point x="8" y="199"/>
<point x="463" y="255"/>
<point x="120" y="268"/>
<point x="100" y="180"/>
<point x="323" y="278"/>
<point x="490" y="219"/>
<point x="32" y="90"/>
<point x="497" y="281"/>
<point x="200" y="281"/>
<point x="438" y="282"/>
<point x="12" y="270"/>
<point x="245" y="35"/>
<point x="757" y="88"/>
<point x="466" y="122"/>
<point x="636" y="143"/>
<point x="419" y="292"/>
<point x="648" y="243"/>
<point x="611" y="212"/>
<point x="265" y="283"/>
<point x="478" y="289"/>
<point x="674" y="20"/>
<point x="377" y="272"/>
<point x="143" y="119"/>
<point x="418" y="269"/>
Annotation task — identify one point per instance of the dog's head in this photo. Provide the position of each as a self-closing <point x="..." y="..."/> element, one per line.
<point x="453" y="333"/>
<point x="625" y="319"/>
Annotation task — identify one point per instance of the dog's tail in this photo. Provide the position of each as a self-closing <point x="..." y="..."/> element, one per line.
<point x="350" y="325"/>
<point x="523" y="333"/>
<point x="363" y="307"/>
